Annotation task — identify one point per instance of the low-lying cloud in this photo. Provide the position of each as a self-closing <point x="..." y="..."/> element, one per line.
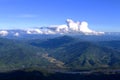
<point x="69" y="27"/>
<point x="3" y="33"/>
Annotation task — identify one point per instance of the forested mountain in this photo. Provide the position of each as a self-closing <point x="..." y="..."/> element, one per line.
<point x="80" y="54"/>
<point x="61" y="52"/>
<point x="17" y="55"/>
<point x="51" y="58"/>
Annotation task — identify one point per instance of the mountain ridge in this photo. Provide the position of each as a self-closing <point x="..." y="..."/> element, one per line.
<point x="63" y="52"/>
<point x="86" y="54"/>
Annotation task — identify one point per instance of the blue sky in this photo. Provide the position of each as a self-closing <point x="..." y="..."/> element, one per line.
<point x="102" y="15"/>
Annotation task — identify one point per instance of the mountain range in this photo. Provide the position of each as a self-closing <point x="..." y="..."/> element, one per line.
<point x="71" y="46"/>
<point x="78" y="53"/>
<point x="58" y="53"/>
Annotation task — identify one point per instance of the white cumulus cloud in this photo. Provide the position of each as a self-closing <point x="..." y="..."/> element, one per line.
<point x="81" y="27"/>
<point x="84" y="27"/>
<point x="72" y="25"/>
<point x="69" y="27"/>
<point x="62" y="28"/>
<point x="3" y="33"/>
<point x="34" y="31"/>
<point x="16" y="34"/>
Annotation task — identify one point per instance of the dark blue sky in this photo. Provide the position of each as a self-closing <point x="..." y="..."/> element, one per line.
<point x="102" y="15"/>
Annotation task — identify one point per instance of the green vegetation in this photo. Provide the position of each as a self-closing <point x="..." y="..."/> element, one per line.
<point x="14" y="55"/>
<point x="79" y="54"/>
<point x="57" y="54"/>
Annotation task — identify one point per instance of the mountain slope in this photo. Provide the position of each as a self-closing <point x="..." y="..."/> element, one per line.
<point x="62" y="52"/>
<point x="81" y="54"/>
<point x="14" y="55"/>
<point x="87" y="55"/>
<point x="52" y="43"/>
<point x="113" y="44"/>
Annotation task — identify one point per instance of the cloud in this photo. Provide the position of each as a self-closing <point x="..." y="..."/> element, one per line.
<point x="16" y="34"/>
<point x="47" y="31"/>
<point x="34" y="31"/>
<point x="84" y="27"/>
<point x="81" y="27"/>
<point x="3" y="33"/>
<point x="62" y="28"/>
<point x="71" y="26"/>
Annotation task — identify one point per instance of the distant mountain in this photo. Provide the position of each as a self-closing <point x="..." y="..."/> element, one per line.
<point x="64" y="52"/>
<point x="113" y="44"/>
<point x="21" y="34"/>
<point x="52" y="43"/>
<point x="76" y="53"/>
<point x="17" y="54"/>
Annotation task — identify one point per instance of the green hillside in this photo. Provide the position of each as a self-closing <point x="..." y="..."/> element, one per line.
<point x="16" y="55"/>
<point x="79" y="54"/>
<point x="58" y="53"/>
